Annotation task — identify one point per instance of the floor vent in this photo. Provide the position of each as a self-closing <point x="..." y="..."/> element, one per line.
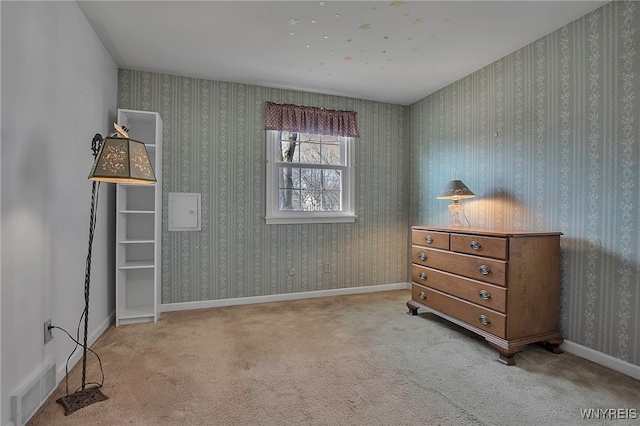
<point x="33" y="394"/>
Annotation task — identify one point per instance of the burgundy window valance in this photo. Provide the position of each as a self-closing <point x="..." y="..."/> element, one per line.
<point x="304" y="119"/>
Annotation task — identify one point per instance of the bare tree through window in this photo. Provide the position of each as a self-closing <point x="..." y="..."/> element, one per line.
<point x="312" y="178"/>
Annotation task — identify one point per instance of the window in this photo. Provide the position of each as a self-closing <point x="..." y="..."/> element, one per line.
<point x="310" y="178"/>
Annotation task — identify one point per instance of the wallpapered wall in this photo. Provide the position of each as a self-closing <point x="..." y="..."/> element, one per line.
<point x="549" y="139"/>
<point x="214" y="143"/>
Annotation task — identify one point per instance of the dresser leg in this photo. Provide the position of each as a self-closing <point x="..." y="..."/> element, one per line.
<point x="553" y="345"/>
<point x="413" y="309"/>
<point x="506" y="355"/>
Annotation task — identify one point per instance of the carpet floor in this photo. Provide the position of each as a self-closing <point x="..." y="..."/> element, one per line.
<point x="346" y="360"/>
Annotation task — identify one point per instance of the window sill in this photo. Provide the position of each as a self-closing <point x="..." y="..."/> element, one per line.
<point x="311" y="219"/>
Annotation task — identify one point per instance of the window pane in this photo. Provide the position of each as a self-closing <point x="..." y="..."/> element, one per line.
<point x="331" y="139"/>
<point x="331" y="201"/>
<point x="331" y="154"/>
<point x="289" y="199"/>
<point x="303" y="189"/>
<point x="288" y="151"/>
<point x="311" y="179"/>
<point x="311" y="149"/>
<point x="288" y="177"/>
<point x="287" y="136"/>
<point x="331" y="180"/>
<point x="309" y="153"/>
<point x="311" y="200"/>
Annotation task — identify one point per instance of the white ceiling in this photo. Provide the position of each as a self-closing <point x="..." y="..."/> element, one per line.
<point x="387" y="51"/>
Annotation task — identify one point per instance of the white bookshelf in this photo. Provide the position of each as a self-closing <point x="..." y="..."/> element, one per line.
<point x="139" y="228"/>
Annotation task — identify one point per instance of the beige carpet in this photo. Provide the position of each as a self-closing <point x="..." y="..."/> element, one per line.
<point x="349" y="360"/>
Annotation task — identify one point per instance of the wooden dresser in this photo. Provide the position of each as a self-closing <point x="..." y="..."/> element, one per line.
<point x="501" y="284"/>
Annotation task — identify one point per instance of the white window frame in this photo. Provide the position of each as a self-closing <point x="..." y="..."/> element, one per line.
<point x="275" y="216"/>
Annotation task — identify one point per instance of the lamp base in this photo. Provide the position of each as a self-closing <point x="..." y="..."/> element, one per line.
<point x="81" y="399"/>
<point x="455" y="223"/>
<point x="456" y="208"/>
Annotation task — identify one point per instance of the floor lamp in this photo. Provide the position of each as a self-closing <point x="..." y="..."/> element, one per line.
<point x="117" y="159"/>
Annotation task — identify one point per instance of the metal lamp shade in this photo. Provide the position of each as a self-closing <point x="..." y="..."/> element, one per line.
<point x="122" y="160"/>
<point x="455" y="190"/>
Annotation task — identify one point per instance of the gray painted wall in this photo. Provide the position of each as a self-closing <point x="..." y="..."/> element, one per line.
<point x="548" y="139"/>
<point x="58" y="91"/>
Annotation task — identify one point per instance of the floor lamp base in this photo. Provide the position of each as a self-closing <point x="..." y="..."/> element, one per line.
<point x="81" y="399"/>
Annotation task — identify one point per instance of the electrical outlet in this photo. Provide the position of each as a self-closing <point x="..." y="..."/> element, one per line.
<point x="47" y="332"/>
<point x="326" y="267"/>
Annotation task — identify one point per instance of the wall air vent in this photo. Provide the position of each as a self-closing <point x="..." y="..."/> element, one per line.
<point x="26" y="401"/>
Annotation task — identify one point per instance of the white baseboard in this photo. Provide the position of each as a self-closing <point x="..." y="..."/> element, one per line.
<point x="77" y="356"/>
<point x="601" y="358"/>
<point x="168" y="307"/>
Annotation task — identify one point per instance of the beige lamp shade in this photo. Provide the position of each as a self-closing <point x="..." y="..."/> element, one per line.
<point x="122" y="160"/>
<point x="455" y="190"/>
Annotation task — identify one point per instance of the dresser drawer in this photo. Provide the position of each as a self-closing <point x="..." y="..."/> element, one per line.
<point x="479" y="268"/>
<point x="482" y="318"/>
<point x="481" y="246"/>
<point x="432" y="239"/>
<point x="484" y="294"/>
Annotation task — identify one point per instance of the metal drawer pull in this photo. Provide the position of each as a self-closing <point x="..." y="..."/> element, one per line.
<point x="475" y="245"/>
<point x="422" y="295"/>
<point x="423" y="276"/>
<point x="484" y="295"/>
<point x="484" y="269"/>
<point x="429" y="239"/>
<point x="422" y="256"/>
<point x="484" y="320"/>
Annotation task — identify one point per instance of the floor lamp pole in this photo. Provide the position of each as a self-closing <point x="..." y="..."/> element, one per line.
<point x="83" y="397"/>
<point x="87" y="282"/>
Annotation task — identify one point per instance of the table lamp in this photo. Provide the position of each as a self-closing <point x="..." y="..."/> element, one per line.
<point x="455" y="191"/>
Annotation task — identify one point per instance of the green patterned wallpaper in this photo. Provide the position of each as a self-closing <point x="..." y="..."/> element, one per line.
<point x="214" y="143"/>
<point x="548" y="139"/>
